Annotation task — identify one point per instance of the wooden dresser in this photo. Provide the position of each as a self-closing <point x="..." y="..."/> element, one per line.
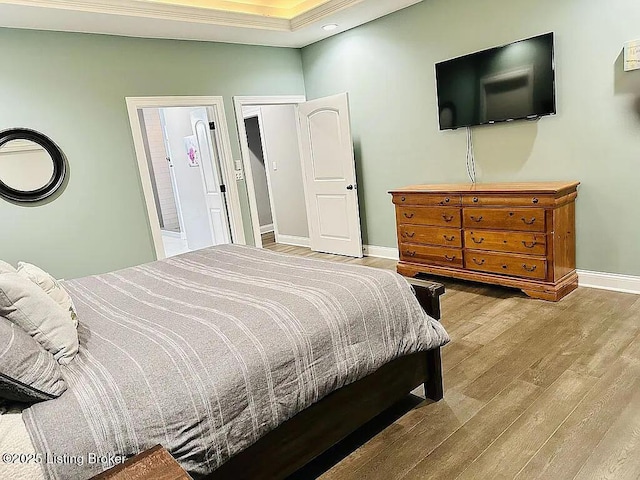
<point x="518" y="235"/>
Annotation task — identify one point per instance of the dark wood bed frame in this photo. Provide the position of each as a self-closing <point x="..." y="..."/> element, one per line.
<point x="317" y="428"/>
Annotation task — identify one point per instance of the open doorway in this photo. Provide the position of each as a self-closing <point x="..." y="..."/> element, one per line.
<point x="259" y="173"/>
<point x="309" y="164"/>
<point x="270" y="148"/>
<point x="186" y="172"/>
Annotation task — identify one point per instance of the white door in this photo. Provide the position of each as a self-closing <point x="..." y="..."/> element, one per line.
<point x="211" y="175"/>
<point x="189" y="178"/>
<point x="329" y="172"/>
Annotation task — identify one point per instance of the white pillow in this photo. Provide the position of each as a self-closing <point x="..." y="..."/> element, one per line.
<point x="28" y="306"/>
<point x="6" y="268"/>
<point x="51" y="286"/>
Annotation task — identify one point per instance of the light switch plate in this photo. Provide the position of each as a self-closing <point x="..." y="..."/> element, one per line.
<point x="632" y="55"/>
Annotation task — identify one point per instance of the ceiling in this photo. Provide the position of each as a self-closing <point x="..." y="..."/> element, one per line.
<point x="286" y="23"/>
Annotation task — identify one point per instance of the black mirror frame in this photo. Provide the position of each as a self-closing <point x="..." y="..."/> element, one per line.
<point x="59" y="166"/>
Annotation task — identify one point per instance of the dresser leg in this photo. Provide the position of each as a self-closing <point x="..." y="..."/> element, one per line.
<point x="557" y="292"/>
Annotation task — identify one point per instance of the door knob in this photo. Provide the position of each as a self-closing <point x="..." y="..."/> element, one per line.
<point x="350" y="187"/>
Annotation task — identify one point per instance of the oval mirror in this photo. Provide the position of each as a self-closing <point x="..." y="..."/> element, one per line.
<point x="32" y="167"/>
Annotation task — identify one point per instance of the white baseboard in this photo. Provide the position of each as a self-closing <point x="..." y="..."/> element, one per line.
<point x="604" y="281"/>
<point x="169" y="233"/>
<point x="380" y="252"/>
<point x="293" y="240"/>
<point x="266" y="228"/>
<point x="609" y="281"/>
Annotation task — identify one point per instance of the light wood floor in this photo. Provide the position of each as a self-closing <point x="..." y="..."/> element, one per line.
<point x="533" y="389"/>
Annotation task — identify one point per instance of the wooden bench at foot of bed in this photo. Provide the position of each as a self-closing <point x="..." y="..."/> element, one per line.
<point x="317" y="428"/>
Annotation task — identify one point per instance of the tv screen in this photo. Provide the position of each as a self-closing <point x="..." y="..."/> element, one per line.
<point x="501" y="84"/>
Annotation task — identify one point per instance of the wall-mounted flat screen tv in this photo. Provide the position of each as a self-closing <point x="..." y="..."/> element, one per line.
<point x="511" y="82"/>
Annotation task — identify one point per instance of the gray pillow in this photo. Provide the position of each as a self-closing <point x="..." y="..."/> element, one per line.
<point x="28" y="373"/>
<point x="28" y="306"/>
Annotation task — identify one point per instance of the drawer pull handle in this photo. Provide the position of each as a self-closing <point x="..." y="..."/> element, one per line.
<point x="451" y="259"/>
<point x="410" y="215"/>
<point x="529" y="245"/>
<point x="402" y="199"/>
<point x="529" y="269"/>
<point x="447" y="200"/>
<point x="475" y="260"/>
<point x="533" y="219"/>
<point x="447" y="218"/>
<point x="535" y="200"/>
<point x="449" y="239"/>
<point x="478" y="241"/>
<point x="476" y="219"/>
<point x="409" y="235"/>
<point x="410" y="254"/>
<point x="505" y="266"/>
<point x="475" y="199"/>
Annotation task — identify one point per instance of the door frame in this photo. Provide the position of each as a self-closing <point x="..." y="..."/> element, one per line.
<point x="258" y="101"/>
<point x="214" y="103"/>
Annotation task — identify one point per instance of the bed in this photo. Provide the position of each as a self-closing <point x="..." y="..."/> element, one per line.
<point x="231" y="354"/>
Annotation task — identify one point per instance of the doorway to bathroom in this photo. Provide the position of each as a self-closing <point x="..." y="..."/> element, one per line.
<point x="187" y="181"/>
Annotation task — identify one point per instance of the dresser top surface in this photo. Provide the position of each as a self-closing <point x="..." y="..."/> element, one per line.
<point x="462" y="188"/>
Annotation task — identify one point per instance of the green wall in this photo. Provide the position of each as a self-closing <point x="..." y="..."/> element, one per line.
<point x="72" y="87"/>
<point x="387" y="66"/>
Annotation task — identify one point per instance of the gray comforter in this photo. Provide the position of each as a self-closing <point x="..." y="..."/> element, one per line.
<point x="206" y="352"/>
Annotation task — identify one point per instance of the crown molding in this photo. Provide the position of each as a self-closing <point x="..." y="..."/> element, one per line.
<point x="153" y="19"/>
<point x="161" y="11"/>
<point x="166" y="11"/>
<point x="322" y="11"/>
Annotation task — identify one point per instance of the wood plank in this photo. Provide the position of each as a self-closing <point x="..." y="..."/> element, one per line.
<point x="619" y="328"/>
<point x="457" y="352"/>
<point x="463" y="406"/>
<point x="452" y="456"/>
<point x="633" y="349"/>
<point x="616" y="456"/>
<point x="606" y="349"/>
<point x="520" y="441"/>
<point x="440" y="421"/>
<point x="495" y="320"/>
<point x="505" y="347"/>
<point x="557" y="328"/>
<point x="568" y="449"/>
<point x="581" y="333"/>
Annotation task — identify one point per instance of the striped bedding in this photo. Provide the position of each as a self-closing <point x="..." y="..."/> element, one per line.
<point x="206" y="352"/>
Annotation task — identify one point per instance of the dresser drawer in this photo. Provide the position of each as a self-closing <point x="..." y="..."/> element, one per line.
<point x="429" y="199"/>
<point x="450" y="237"/>
<point x="498" y="200"/>
<point x="450" y="257"/>
<point x="436" y="216"/>
<point x="516" y="242"/>
<point x="524" y="219"/>
<point x="507" y="264"/>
